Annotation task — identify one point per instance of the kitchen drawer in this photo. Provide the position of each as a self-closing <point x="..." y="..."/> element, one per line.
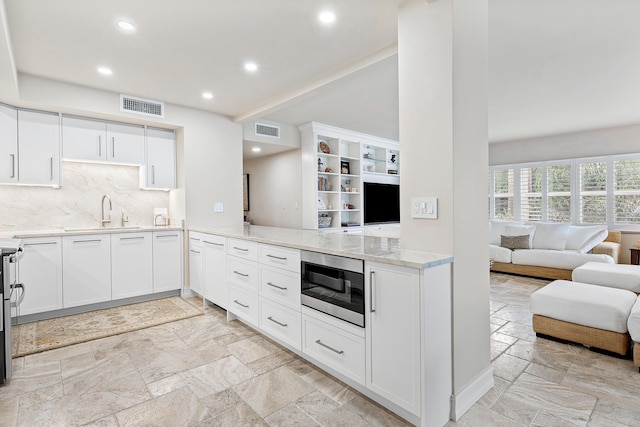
<point x="280" y="286"/>
<point x="243" y="304"/>
<point x="243" y="249"/>
<point x="277" y="256"/>
<point x="195" y="240"/>
<point x="214" y="240"/>
<point x="243" y="273"/>
<point x="334" y="347"/>
<point x="281" y="322"/>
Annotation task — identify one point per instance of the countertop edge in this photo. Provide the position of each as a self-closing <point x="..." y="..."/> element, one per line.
<point x="80" y="232"/>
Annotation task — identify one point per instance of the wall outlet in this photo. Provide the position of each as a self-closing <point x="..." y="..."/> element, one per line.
<point x="424" y="207"/>
<point x="218" y="207"/>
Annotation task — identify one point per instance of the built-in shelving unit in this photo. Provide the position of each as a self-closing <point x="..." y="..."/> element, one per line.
<point x="334" y="167"/>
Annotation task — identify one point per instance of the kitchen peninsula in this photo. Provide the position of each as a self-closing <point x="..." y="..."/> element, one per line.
<point x="400" y="358"/>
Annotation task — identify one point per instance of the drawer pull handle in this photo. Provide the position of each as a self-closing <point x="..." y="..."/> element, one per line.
<point x="276" y="286"/>
<point x="275" y="321"/>
<point x="132" y="238"/>
<point x="162" y="236"/>
<point x="214" y="243"/>
<point x="194" y="251"/>
<point x="282" y="258"/>
<point x="87" y="241"/>
<point x="241" y="249"/>
<point x="240" y="274"/>
<point x="330" y="348"/>
<point x="240" y="304"/>
<point x="40" y="243"/>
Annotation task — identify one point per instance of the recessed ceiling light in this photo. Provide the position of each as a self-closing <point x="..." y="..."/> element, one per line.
<point x="207" y="95"/>
<point x="251" y="66"/>
<point x="105" y="71"/>
<point x="126" y="26"/>
<point x="327" y="17"/>
<point x="256" y="149"/>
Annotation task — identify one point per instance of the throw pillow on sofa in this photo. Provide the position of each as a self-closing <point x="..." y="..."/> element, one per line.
<point x="515" y="242"/>
<point x="585" y="238"/>
<point x="497" y="229"/>
<point x="521" y="230"/>
<point x="550" y="235"/>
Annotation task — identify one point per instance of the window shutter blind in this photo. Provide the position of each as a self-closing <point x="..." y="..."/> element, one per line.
<point x="593" y="193"/>
<point x="503" y="193"/>
<point x="559" y="193"/>
<point x="626" y="190"/>
<point x="531" y="193"/>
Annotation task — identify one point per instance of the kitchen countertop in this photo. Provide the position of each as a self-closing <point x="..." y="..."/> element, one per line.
<point x="381" y="249"/>
<point x="82" y="231"/>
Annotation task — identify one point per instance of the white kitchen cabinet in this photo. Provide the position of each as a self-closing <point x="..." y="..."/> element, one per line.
<point x="38" y="148"/>
<point x="196" y="263"/>
<point x="281" y="322"/>
<point x="160" y="166"/>
<point x="393" y="334"/>
<point x="40" y="270"/>
<point x="215" y="269"/>
<point x="86" y="269"/>
<point x="98" y="141"/>
<point x="8" y="145"/>
<point x="167" y="260"/>
<point x="131" y="265"/>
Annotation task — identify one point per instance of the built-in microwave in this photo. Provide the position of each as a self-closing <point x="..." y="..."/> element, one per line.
<point x="333" y="285"/>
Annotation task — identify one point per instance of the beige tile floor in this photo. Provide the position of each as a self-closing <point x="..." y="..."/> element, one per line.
<point x="204" y="371"/>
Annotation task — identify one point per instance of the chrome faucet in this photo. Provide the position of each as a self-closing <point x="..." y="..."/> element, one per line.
<point x="125" y="217"/>
<point x="105" y="221"/>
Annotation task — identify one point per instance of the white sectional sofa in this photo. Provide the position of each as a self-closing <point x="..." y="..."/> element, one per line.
<point x="550" y="250"/>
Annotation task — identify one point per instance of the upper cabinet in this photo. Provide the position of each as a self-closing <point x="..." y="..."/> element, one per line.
<point x="38" y="148"/>
<point x="8" y="145"/>
<point x="98" y="141"/>
<point x="159" y="171"/>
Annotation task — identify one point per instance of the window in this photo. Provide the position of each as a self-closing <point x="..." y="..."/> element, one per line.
<point x="581" y="191"/>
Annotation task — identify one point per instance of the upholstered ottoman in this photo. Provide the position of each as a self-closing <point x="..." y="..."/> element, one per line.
<point x="633" y="324"/>
<point x="593" y="315"/>
<point x="622" y="276"/>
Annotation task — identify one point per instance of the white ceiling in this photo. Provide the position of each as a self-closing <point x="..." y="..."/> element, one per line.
<point x="554" y="65"/>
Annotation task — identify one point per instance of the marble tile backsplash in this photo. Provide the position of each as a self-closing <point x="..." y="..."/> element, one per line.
<point x="76" y="204"/>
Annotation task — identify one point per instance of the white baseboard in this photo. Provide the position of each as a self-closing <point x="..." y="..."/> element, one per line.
<point x="462" y="401"/>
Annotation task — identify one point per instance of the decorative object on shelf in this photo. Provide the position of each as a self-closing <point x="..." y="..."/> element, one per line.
<point x="324" y="147"/>
<point x="324" y="184"/>
<point x="392" y="172"/>
<point x="344" y="167"/>
<point x="369" y="167"/>
<point x="324" y="221"/>
<point x="328" y="170"/>
<point x="393" y="158"/>
<point x="320" y="164"/>
<point x="321" y="205"/>
<point x="367" y="156"/>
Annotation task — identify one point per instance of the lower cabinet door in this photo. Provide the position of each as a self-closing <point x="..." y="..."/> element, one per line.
<point x="131" y="265"/>
<point x="281" y="322"/>
<point x="40" y="269"/>
<point x="167" y="260"/>
<point x="336" y="348"/>
<point x="243" y="304"/>
<point x="86" y="269"/>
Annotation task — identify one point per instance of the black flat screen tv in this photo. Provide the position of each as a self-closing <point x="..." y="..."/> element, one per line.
<point x="381" y="203"/>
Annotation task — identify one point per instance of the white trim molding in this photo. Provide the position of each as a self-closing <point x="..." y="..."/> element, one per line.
<point x="471" y="393"/>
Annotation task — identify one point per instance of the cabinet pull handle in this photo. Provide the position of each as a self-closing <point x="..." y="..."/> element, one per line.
<point x="132" y="238"/>
<point x="13" y="165"/>
<point x="40" y="243"/>
<point x="284" y="325"/>
<point x="195" y="252"/>
<point x="240" y="304"/>
<point x="153" y="174"/>
<point x="214" y="243"/>
<point x="276" y="286"/>
<point x="283" y="258"/>
<point x="240" y="274"/>
<point x="241" y="249"/>
<point x="113" y="146"/>
<point x="194" y="238"/>
<point x="99" y="146"/>
<point x="372" y="308"/>
<point x="87" y="241"/>
<point x="329" y="347"/>
<point x="166" y="235"/>
<point x="51" y="169"/>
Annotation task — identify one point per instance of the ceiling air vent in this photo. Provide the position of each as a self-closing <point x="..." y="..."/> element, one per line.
<point x="143" y="106"/>
<point x="268" y="130"/>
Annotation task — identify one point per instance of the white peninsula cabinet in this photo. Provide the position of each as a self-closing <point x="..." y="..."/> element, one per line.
<point x="215" y="269"/>
<point x="40" y="269"/>
<point x="167" y="260"/>
<point x="8" y="145"/>
<point x="86" y="269"/>
<point x="196" y="266"/>
<point x="131" y="265"/>
<point x="243" y="279"/>
<point x="99" y="141"/>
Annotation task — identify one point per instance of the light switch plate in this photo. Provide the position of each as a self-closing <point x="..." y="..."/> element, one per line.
<point x="218" y="207"/>
<point x="424" y="207"/>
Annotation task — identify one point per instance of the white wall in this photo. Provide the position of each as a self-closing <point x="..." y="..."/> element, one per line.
<point x="275" y="189"/>
<point x="442" y="59"/>
<point x="209" y="146"/>
<point x="593" y="143"/>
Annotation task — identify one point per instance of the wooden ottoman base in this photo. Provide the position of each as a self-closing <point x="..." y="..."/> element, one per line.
<point x="615" y="342"/>
<point x="636" y="354"/>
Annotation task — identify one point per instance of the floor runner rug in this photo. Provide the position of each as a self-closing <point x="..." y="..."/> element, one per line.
<point x="49" y="334"/>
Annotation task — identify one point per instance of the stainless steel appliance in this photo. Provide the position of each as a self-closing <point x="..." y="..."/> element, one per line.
<point x="11" y="251"/>
<point x="333" y="285"/>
